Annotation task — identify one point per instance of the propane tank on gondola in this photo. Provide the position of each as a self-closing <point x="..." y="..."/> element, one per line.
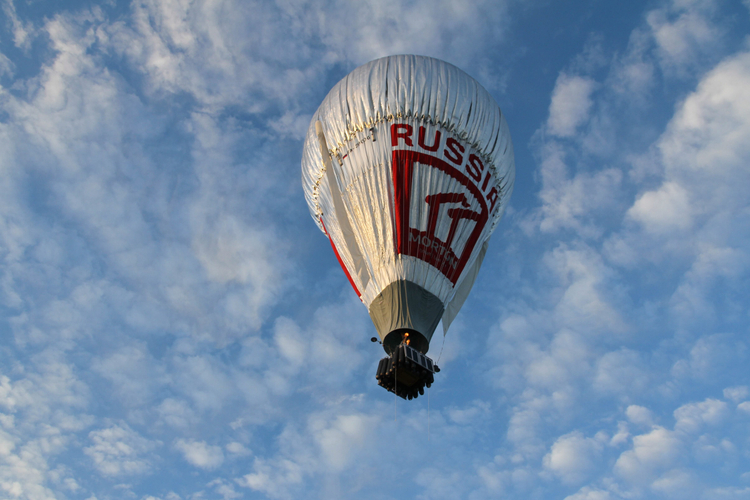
<point x="407" y="168"/>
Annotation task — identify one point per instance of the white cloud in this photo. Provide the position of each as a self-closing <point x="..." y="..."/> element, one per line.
<point x="437" y="28"/>
<point x="570" y="105"/>
<point x="676" y="484"/>
<point x="573" y="457"/>
<point x="584" y="304"/>
<point x="238" y="449"/>
<point x="169" y="496"/>
<point x="24" y="465"/>
<point x="472" y="414"/>
<point x="712" y="268"/>
<point x="658" y="450"/>
<point x="133" y="372"/>
<point x="176" y="413"/>
<point x="693" y="416"/>
<point x="634" y="73"/>
<point x="233" y="252"/>
<point x="708" y="357"/>
<point x="119" y="450"/>
<point x="440" y="484"/>
<point x="342" y="439"/>
<point x="737" y="393"/>
<point x="290" y="342"/>
<point x="664" y="210"/>
<point x="193" y="48"/>
<point x="569" y="202"/>
<point x="621" y="436"/>
<point x="493" y="477"/>
<point x="273" y="51"/>
<point x="225" y="489"/>
<point x="273" y="480"/>
<point x="705" y="142"/>
<point x="639" y="415"/>
<point x="677" y="226"/>
<point x="6" y="66"/>
<point x="22" y="32"/>
<point x="523" y="428"/>
<point x="116" y="197"/>
<point x="203" y="379"/>
<point x="131" y="208"/>
<point x="704" y="151"/>
<point x="6" y="443"/>
<point x="729" y="492"/>
<point x="681" y="238"/>
<point x="684" y="31"/>
<point x="567" y="358"/>
<point x="52" y="385"/>
<point x="200" y="454"/>
<point x="588" y="493"/>
<point x="710" y="448"/>
<point x="333" y="335"/>
<point x="45" y="410"/>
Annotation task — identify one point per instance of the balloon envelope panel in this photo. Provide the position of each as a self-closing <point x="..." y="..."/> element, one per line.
<point x="421" y="169"/>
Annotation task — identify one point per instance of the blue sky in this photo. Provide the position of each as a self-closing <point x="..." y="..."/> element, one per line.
<point x="174" y="326"/>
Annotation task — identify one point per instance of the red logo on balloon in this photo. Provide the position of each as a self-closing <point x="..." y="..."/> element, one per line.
<point x="440" y="228"/>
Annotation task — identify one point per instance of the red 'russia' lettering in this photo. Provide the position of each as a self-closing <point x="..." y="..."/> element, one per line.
<point x="408" y="130"/>
<point x="435" y="144"/>
<point x="450" y="147"/>
<point x="492" y="198"/>
<point x="475" y="167"/>
<point x="453" y="152"/>
<point x="486" y="180"/>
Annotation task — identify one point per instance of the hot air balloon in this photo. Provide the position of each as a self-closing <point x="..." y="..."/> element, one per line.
<point x="407" y="167"/>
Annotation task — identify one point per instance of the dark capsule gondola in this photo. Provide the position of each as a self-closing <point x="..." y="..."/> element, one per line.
<point x="409" y="371"/>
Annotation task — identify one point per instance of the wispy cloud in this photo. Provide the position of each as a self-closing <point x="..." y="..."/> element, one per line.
<point x="167" y="305"/>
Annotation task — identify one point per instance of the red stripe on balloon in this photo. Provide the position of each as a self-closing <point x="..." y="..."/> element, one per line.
<point x="338" y="257"/>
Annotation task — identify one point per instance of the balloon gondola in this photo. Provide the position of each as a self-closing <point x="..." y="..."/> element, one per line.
<point x="407" y="167"/>
<point x="406" y="372"/>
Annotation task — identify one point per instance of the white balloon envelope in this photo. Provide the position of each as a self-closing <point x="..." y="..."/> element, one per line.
<point x="408" y="167"/>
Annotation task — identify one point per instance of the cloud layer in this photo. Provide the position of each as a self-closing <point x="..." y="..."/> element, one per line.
<point x="174" y="326"/>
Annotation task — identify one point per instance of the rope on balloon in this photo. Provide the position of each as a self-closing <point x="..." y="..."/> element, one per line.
<point x="441" y="350"/>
